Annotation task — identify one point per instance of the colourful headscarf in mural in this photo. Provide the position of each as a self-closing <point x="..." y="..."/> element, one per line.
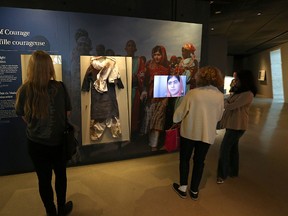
<point x="189" y="47"/>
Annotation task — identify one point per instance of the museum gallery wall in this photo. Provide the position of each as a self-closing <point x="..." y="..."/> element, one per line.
<point x="79" y="43"/>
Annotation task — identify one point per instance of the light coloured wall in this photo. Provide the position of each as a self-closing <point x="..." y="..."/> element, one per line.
<point x="284" y="57"/>
<point x="261" y="61"/>
<point x="257" y="62"/>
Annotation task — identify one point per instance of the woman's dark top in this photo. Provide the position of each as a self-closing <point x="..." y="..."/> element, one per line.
<point x="48" y="131"/>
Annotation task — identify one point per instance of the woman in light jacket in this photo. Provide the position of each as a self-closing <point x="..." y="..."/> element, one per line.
<point x="199" y="112"/>
<point x="235" y="120"/>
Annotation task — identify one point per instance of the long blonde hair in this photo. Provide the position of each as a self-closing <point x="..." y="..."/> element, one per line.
<point x="40" y="71"/>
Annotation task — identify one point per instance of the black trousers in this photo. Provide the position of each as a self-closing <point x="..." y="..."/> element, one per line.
<point x="47" y="159"/>
<point x="186" y="149"/>
<point x="228" y="164"/>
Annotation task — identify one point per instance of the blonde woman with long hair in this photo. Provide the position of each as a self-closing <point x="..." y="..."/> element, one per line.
<point x="43" y="103"/>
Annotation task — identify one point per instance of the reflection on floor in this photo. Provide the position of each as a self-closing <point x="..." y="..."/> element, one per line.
<point x="142" y="187"/>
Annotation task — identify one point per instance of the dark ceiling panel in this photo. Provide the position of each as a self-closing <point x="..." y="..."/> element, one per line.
<point x="246" y="32"/>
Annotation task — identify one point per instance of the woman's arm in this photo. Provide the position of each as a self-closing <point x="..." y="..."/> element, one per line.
<point x="181" y="110"/>
<point x="239" y="100"/>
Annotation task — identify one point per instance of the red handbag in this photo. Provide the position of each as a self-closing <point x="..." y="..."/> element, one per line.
<point x="172" y="138"/>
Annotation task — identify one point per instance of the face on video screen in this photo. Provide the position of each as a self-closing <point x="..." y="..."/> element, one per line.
<point x="169" y="86"/>
<point x="174" y="86"/>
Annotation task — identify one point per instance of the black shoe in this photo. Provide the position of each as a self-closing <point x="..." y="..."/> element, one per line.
<point x="51" y="211"/>
<point x="220" y="180"/>
<point x="65" y="210"/>
<point x="193" y="195"/>
<point x="182" y="194"/>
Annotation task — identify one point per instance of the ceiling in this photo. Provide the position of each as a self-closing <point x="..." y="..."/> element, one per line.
<point x="247" y="31"/>
<point x="238" y="21"/>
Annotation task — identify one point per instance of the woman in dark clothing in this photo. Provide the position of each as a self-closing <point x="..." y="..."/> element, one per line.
<point x="41" y="103"/>
<point x="235" y="121"/>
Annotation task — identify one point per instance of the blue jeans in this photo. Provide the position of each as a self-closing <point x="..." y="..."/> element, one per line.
<point x="186" y="149"/>
<point x="228" y="164"/>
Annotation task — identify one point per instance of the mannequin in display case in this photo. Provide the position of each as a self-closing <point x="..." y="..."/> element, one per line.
<point x="101" y="78"/>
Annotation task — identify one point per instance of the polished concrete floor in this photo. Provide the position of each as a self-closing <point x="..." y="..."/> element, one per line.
<point x="142" y="187"/>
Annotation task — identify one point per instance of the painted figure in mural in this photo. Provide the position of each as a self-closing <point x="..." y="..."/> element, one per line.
<point x="188" y="66"/>
<point x="138" y="71"/>
<point x="143" y="58"/>
<point x="101" y="78"/>
<point x="173" y="63"/>
<point x="83" y="47"/>
<point x="83" y="43"/>
<point x="198" y="113"/>
<point x="155" y="110"/>
<point x="110" y="52"/>
<point x="43" y="103"/>
<point x="100" y="50"/>
<point x="235" y="121"/>
<point x="175" y="86"/>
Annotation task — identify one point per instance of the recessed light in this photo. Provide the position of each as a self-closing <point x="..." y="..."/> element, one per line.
<point x="259" y="14"/>
<point x="212" y="29"/>
<point x="218" y="12"/>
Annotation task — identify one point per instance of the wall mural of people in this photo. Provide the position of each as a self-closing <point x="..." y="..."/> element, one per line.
<point x="155" y="109"/>
<point x="73" y="37"/>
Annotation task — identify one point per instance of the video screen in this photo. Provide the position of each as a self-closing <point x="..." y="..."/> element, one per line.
<point x="169" y="86"/>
